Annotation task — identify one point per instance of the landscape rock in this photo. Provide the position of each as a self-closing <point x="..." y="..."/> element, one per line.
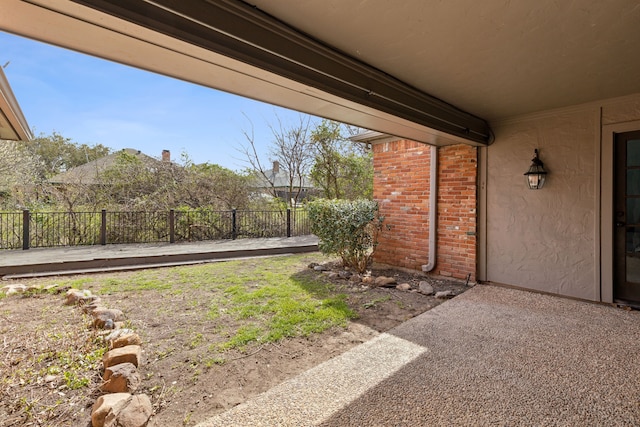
<point x="33" y="288"/>
<point x="382" y="281"/>
<point x="355" y="278"/>
<point x="132" y="412"/>
<point x="118" y="333"/>
<point x="343" y="274"/>
<point x="121" y="378"/>
<point x="321" y="268"/>
<point x="444" y="294"/>
<point x="103" y="406"/>
<point x="425" y="288"/>
<point x="127" y="354"/>
<point x="367" y="279"/>
<point x="403" y="286"/>
<point x="14" y="289"/>
<point x="75" y="295"/>
<point x="125" y="340"/>
<point x="92" y="306"/>
<point x="101" y="315"/>
<point x="88" y="299"/>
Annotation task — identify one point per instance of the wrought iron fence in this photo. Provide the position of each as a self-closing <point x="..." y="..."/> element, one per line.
<point x="48" y="229"/>
<point x="11" y="230"/>
<point x="136" y="227"/>
<point x="202" y="224"/>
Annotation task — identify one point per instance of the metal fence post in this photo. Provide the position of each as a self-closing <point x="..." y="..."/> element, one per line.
<point x="172" y="226"/>
<point x="103" y="227"/>
<point x="234" y="225"/>
<point x="288" y="222"/>
<point x="26" y="216"/>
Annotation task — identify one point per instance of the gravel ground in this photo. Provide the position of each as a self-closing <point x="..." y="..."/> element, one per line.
<point x="491" y="356"/>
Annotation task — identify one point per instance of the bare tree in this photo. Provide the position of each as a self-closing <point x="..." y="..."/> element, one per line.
<point x="18" y="170"/>
<point x="291" y="154"/>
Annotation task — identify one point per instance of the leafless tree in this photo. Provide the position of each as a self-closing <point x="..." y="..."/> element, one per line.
<point x="18" y="170"/>
<point x="291" y="148"/>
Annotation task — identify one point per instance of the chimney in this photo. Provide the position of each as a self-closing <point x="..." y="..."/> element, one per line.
<point x="166" y="155"/>
<point x="276" y="167"/>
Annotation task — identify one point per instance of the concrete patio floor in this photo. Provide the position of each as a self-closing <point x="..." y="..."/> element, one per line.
<point x="489" y="357"/>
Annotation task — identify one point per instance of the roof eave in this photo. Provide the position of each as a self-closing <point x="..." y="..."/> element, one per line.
<point x="10" y="109"/>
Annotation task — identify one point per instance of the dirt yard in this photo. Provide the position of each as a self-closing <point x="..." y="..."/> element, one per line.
<point x="186" y="374"/>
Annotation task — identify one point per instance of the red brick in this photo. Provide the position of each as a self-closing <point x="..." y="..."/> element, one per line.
<point x="401" y="185"/>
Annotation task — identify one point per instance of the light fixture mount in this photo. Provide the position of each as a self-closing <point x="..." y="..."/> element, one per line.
<point x="536" y="175"/>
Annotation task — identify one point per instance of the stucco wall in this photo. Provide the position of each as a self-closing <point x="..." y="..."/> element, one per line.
<point x="550" y="239"/>
<point x="544" y="239"/>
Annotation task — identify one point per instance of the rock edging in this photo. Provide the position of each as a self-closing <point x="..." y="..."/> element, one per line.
<point x="119" y="406"/>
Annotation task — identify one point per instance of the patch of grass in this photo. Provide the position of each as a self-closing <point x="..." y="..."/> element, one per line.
<point x="64" y="350"/>
<point x="187" y="419"/>
<point x="26" y="406"/>
<point x="209" y="276"/>
<point x="243" y="336"/>
<point x="376" y="301"/>
<point x="284" y="304"/>
<point x="234" y="290"/>
<point x="73" y="381"/>
<point x="196" y="340"/>
<point x="146" y="280"/>
<point x="80" y="282"/>
<point x="210" y="362"/>
<point x="400" y="304"/>
<point x="213" y="312"/>
<point x="307" y="317"/>
<point x="164" y="353"/>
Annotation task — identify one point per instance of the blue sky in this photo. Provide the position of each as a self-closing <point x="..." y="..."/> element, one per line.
<point x="93" y="101"/>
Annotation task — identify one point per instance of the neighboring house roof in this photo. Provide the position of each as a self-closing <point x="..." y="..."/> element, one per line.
<point x="13" y="125"/>
<point x="89" y="173"/>
<point x="279" y="179"/>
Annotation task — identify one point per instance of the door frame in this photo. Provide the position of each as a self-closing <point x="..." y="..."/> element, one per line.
<point x="607" y="205"/>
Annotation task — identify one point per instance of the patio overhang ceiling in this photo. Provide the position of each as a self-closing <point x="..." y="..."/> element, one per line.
<point x="396" y="69"/>
<point x="13" y="125"/>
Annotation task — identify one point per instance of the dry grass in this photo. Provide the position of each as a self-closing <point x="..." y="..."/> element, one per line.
<point x="49" y="361"/>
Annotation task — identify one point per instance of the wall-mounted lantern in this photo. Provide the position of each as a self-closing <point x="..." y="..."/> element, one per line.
<point x="536" y="174"/>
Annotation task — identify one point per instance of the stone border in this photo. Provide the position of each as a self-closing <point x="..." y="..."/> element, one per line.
<point x="118" y="406"/>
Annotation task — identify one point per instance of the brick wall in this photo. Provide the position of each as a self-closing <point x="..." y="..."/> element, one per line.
<point x="401" y="186"/>
<point x="457" y="203"/>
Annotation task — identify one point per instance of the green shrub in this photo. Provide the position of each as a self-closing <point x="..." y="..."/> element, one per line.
<point x="347" y="228"/>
